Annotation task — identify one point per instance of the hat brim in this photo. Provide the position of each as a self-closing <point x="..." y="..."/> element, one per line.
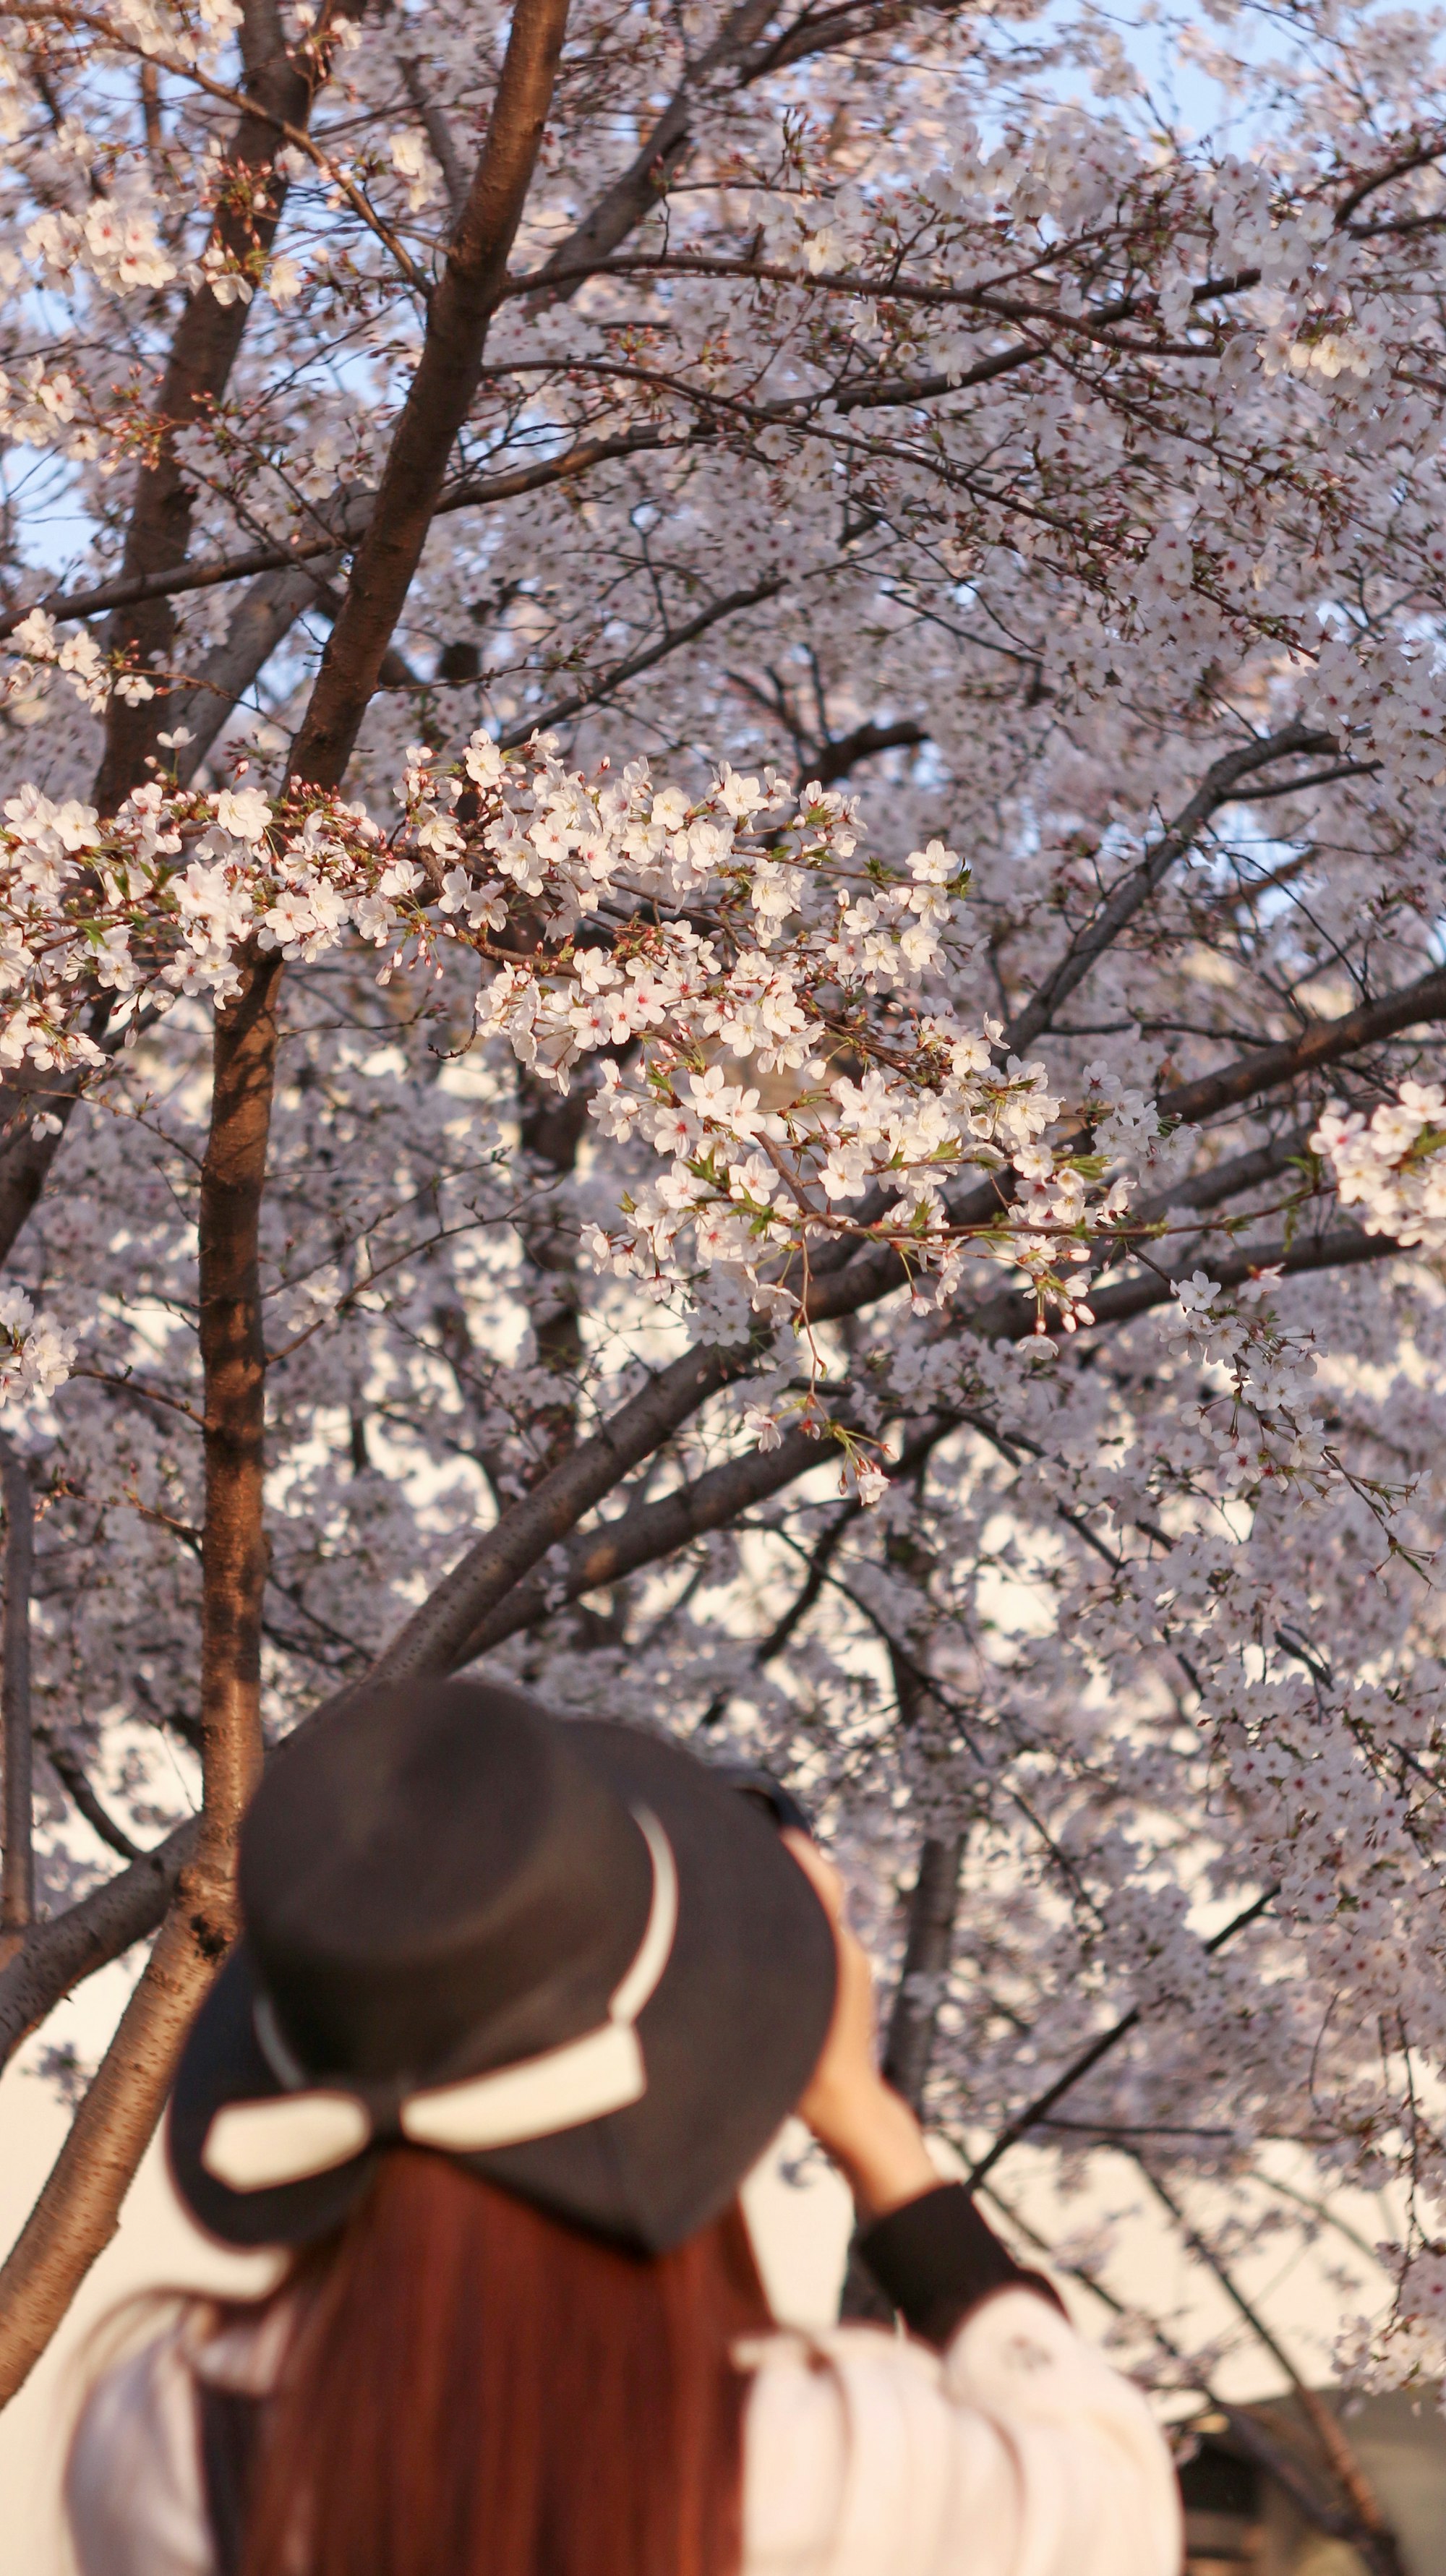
<point x="729" y="2038"/>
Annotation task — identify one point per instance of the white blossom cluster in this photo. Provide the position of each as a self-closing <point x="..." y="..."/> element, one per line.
<point x="950" y="460"/>
<point x="35" y="1354"/>
<point x="1390" y="1164"/>
<point x="1263" y="1424"/>
<point x="809" y="957"/>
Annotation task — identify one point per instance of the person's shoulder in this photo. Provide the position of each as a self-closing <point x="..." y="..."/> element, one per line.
<point x="134" y="2488"/>
<point x="133" y="2481"/>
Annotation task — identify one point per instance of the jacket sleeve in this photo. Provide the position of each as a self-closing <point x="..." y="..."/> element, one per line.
<point x="1019" y="2453"/>
<point x="133" y="2482"/>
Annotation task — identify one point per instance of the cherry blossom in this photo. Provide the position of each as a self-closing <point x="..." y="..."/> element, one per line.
<point x="888" y="878"/>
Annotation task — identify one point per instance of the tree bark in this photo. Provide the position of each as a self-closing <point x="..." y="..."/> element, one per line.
<point x="1376" y="2539"/>
<point x="29" y="1090"/>
<point x="263" y="618"/>
<point x="439" y="1629"/>
<point x="913" y="2021"/>
<point x="79" y="2207"/>
<point x="25" y="1158"/>
<point x="550" y="1130"/>
<point x="203" y="353"/>
<point x="1320" y="1042"/>
<point x="438" y="400"/>
<point x="233" y="1358"/>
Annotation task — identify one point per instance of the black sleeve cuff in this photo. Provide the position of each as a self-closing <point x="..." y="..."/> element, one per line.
<point x="936" y="2259"/>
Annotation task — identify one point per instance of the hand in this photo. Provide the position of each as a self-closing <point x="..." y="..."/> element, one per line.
<point x="867" y="2128"/>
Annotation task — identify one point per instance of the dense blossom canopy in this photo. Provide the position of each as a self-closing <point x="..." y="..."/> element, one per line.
<point x="897" y="846"/>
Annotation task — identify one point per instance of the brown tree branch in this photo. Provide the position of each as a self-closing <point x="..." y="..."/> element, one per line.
<point x="438" y="133"/>
<point x="203" y="352"/>
<point x="1322" y="1042"/>
<point x="438" y="398"/>
<point x="78" y="2209"/>
<point x="458" y="1611"/>
<point x="1239" y="1174"/>
<point x="476" y="492"/>
<point x="28" y="1092"/>
<point x="479" y="491"/>
<point x="1221" y="782"/>
<point x="439" y="1631"/>
<point x="1013" y="1314"/>
<point x="634" y="195"/>
<point x="105" y="1924"/>
<point x="261" y="620"/>
<point x="913" y="2020"/>
<point x="233" y="1359"/>
<point x="1374" y="2538"/>
<point x="70" y="1771"/>
<point x="1099" y="2048"/>
<point x="59" y="1955"/>
<point x="1248" y="2434"/>
<point x="348" y="518"/>
<point x="646" y="1533"/>
<point x="671" y="640"/>
<point x="842" y="753"/>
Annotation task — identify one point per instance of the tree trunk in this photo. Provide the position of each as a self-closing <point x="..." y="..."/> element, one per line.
<point x="1376" y="2540"/>
<point x="914" y="2021"/>
<point x="233" y="1357"/>
<point x="79" y="2207"/>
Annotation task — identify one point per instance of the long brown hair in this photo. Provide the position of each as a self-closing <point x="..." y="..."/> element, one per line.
<point x="473" y="2389"/>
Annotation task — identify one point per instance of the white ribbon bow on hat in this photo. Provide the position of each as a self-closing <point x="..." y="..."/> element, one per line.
<point x="309" y="2129"/>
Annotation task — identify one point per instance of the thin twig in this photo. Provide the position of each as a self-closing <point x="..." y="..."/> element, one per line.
<point x="1090" y="2057"/>
<point x="1259" y="2445"/>
<point x="1377" y="2539"/>
<point x="74" y="1779"/>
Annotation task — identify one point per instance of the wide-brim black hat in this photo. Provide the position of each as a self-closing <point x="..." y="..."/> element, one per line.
<point x="463" y="1918"/>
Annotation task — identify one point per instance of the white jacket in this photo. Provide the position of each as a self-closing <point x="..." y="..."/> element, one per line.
<point x="1018" y="2452"/>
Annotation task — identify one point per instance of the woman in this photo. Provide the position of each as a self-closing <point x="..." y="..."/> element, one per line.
<point x="518" y="2005"/>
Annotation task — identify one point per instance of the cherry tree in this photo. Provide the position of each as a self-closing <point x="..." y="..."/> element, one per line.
<point x="720" y="904"/>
